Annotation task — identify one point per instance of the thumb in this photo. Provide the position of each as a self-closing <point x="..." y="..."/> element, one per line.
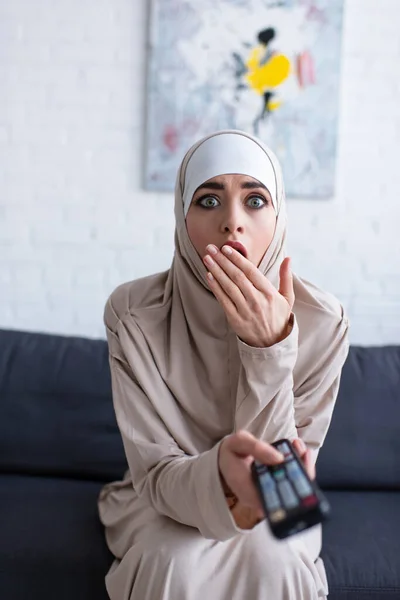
<point x="286" y="282"/>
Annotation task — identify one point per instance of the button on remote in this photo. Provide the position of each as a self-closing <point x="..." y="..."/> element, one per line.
<point x="269" y="488"/>
<point x="279" y="475"/>
<point x="277" y="515"/>
<point x="298" y="479"/>
<point x="288" y="496"/>
<point x="285" y="450"/>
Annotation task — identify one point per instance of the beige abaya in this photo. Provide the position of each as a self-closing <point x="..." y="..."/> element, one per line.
<point x="182" y="381"/>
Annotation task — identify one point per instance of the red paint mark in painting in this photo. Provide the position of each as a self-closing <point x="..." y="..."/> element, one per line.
<point x="314" y="13"/>
<point x="298" y="70"/>
<point x="305" y="69"/>
<point x="191" y="126"/>
<point x="170" y="137"/>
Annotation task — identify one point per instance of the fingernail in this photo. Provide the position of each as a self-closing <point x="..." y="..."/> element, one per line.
<point x="211" y="249"/>
<point x="208" y="260"/>
<point x="226" y="249"/>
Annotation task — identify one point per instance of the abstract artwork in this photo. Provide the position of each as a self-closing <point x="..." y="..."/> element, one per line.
<point x="271" y="68"/>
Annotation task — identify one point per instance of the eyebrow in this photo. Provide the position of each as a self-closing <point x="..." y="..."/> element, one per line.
<point x="246" y="185"/>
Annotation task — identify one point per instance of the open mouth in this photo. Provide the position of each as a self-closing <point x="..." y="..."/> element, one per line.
<point x="238" y="246"/>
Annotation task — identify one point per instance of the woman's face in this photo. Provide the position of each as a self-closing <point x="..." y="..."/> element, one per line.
<point x="232" y="208"/>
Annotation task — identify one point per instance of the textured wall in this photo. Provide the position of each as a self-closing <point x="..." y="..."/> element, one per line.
<point x="74" y="221"/>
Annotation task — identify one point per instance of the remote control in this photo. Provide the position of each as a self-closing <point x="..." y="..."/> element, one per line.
<point x="292" y="501"/>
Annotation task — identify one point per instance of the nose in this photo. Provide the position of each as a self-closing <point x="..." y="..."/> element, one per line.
<point x="232" y="220"/>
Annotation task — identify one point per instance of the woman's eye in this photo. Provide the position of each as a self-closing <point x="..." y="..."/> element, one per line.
<point x="208" y="201"/>
<point x="256" y="201"/>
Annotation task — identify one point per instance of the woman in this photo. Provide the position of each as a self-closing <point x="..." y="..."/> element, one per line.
<point x="211" y="361"/>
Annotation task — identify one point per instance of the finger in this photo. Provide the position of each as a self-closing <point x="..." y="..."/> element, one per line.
<point x="255" y="276"/>
<point x="286" y="282"/>
<point x="305" y="456"/>
<point x="309" y="464"/>
<point x="225" y="281"/>
<point x="245" y="444"/>
<point x="299" y="447"/>
<point x="223" y="298"/>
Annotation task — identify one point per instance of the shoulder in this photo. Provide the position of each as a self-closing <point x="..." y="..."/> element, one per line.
<point x="310" y="299"/>
<point x="320" y="316"/>
<point x="146" y="292"/>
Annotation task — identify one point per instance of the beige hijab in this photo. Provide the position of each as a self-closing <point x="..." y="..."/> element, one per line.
<point x="173" y="336"/>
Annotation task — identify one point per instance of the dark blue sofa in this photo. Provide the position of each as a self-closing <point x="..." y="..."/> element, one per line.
<point x="59" y="444"/>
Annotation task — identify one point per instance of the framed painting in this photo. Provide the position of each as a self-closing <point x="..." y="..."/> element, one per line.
<point x="271" y="68"/>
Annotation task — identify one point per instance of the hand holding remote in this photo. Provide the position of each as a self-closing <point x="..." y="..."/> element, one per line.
<point x="236" y="454"/>
<point x="292" y="499"/>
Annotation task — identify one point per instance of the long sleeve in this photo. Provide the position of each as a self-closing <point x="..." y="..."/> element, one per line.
<point x="317" y="390"/>
<point x="185" y="488"/>
<point x="265" y="392"/>
<point x="274" y="406"/>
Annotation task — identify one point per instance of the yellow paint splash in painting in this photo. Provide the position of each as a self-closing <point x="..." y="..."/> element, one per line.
<point x="264" y="76"/>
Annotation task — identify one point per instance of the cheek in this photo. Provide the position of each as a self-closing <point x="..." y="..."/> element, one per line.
<point x="264" y="234"/>
<point x="266" y="227"/>
<point x="197" y="232"/>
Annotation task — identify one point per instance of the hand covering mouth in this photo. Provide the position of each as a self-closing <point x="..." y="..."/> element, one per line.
<point x="237" y="246"/>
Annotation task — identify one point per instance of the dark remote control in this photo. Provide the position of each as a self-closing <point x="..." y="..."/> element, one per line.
<point x="292" y="502"/>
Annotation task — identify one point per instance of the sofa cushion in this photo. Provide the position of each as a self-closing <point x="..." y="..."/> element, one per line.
<point x="56" y="412"/>
<point x="52" y="543"/>
<point x="361" y="545"/>
<point x="362" y="447"/>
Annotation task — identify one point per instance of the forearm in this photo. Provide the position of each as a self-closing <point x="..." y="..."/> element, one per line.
<point x="265" y="393"/>
<point x="184" y="487"/>
<point x="189" y="490"/>
<point x="315" y="398"/>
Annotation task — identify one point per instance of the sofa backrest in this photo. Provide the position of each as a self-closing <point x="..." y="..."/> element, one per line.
<point x="57" y="417"/>
<point x="362" y="448"/>
<point x="56" y="412"/>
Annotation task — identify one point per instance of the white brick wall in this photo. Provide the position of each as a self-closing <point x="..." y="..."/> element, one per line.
<point x="74" y="221"/>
